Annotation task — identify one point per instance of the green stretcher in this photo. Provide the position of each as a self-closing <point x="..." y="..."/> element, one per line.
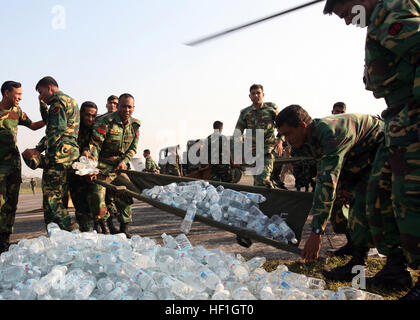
<point x="296" y="204"/>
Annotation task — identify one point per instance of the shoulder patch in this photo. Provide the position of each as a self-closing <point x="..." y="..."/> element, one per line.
<point x="395" y="28"/>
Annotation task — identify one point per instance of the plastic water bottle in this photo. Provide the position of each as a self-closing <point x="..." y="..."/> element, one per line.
<point x="241" y="215"/>
<point x="221" y="293"/>
<point x="183" y="243"/>
<point x="237" y="269"/>
<point x="254" y="197"/>
<point x="213" y="194"/>
<point x="216" y="212"/>
<point x="44" y="284"/>
<point x="266" y="293"/>
<point x="145" y="281"/>
<point x="287" y="232"/>
<point x="209" y="278"/>
<point x="258" y="224"/>
<point x="255" y="263"/>
<point x="189" y="219"/>
<point x="105" y="285"/>
<point x="178" y="288"/>
<point x="85" y="289"/>
<point x="243" y="293"/>
<point x="169" y="241"/>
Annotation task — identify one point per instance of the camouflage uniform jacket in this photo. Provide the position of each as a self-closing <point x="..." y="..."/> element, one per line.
<point x="340" y="144"/>
<point x="393" y="52"/>
<point x="63" y="121"/>
<point x="112" y="142"/>
<point x="9" y="121"/>
<point x="151" y="166"/>
<point x="263" y="118"/>
<point x="85" y="135"/>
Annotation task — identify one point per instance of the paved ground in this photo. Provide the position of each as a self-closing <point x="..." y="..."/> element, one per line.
<point x="151" y="222"/>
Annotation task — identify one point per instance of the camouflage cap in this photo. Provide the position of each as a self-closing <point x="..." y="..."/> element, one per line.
<point x="36" y="163"/>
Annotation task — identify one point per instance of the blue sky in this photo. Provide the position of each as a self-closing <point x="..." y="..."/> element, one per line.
<point x="137" y="46"/>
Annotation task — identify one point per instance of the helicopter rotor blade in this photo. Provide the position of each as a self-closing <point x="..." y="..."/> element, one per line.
<point x="223" y="33"/>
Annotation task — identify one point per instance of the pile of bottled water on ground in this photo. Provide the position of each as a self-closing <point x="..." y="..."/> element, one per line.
<point x="85" y="166"/>
<point x="91" y="266"/>
<point x="239" y="209"/>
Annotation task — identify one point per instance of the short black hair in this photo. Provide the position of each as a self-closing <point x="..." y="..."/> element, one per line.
<point x="146" y="151"/>
<point x="113" y="97"/>
<point x="292" y="116"/>
<point x="339" y="105"/>
<point x="9" y="85"/>
<point x="256" y="86"/>
<point x="329" y="6"/>
<point x="88" y="104"/>
<point x="45" y="82"/>
<point x="217" y="125"/>
<point x="125" y="96"/>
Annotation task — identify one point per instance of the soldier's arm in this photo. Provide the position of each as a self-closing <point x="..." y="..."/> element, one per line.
<point x="401" y="34"/>
<point x="132" y="150"/>
<point x="99" y="132"/>
<point x="57" y="124"/>
<point x="37" y="125"/>
<point x="43" y="109"/>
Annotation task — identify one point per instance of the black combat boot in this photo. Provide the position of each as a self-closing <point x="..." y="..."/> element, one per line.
<point x="124" y="229"/>
<point x="4" y="242"/>
<point x="414" y="293"/>
<point x="345" y="250"/>
<point x="111" y="226"/>
<point x="104" y="227"/>
<point x="344" y="273"/>
<point x="394" y="274"/>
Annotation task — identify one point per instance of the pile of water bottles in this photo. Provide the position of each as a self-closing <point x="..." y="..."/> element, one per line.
<point x="85" y="166"/>
<point x="90" y="266"/>
<point x="238" y="209"/>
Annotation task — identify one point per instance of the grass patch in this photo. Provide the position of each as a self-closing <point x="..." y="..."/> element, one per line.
<point x="314" y="269"/>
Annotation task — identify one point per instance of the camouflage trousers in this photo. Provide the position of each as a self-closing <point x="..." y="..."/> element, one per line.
<point x="10" y="180"/>
<point x="80" y="191"/>
<point x="118" y="206"/>
<point x="264" y="179"/>
<point x="358" y="225"/>
<point x="394" y="200"/>
<point x="221" y="173"/>
<point x="55" y="192"/>
<point x="98" y="202"/>
<point x="339" y="218"/>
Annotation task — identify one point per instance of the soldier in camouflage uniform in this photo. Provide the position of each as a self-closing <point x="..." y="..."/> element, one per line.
<point x="340" y="211"/>
<point x="278" y="166"/>
<point x="304" y="171"/>
<point x="392" y="72"/>
<point x="172" y="167"/>
<point x="343" y="146"/>
<point x="218" y="146"/>
<point x="80" y="187"/>
<point x="260" y="115"/>
<point x="61" y="150"/>
<point x="11" y="115"/>
<point x="114" y="143"/>
<point x="151" y="166"/>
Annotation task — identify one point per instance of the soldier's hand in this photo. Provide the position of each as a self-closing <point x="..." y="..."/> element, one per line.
<point x="91" y="177"/>
<point x="312" y="248"/>
<point x="30" y="154"/>
<point x="121" y="166"/>
<point x="88" y="155"/>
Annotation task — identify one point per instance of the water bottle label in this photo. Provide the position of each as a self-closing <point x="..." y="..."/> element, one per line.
<point x="285" y="285"/>
<point x="283" y="227"/>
